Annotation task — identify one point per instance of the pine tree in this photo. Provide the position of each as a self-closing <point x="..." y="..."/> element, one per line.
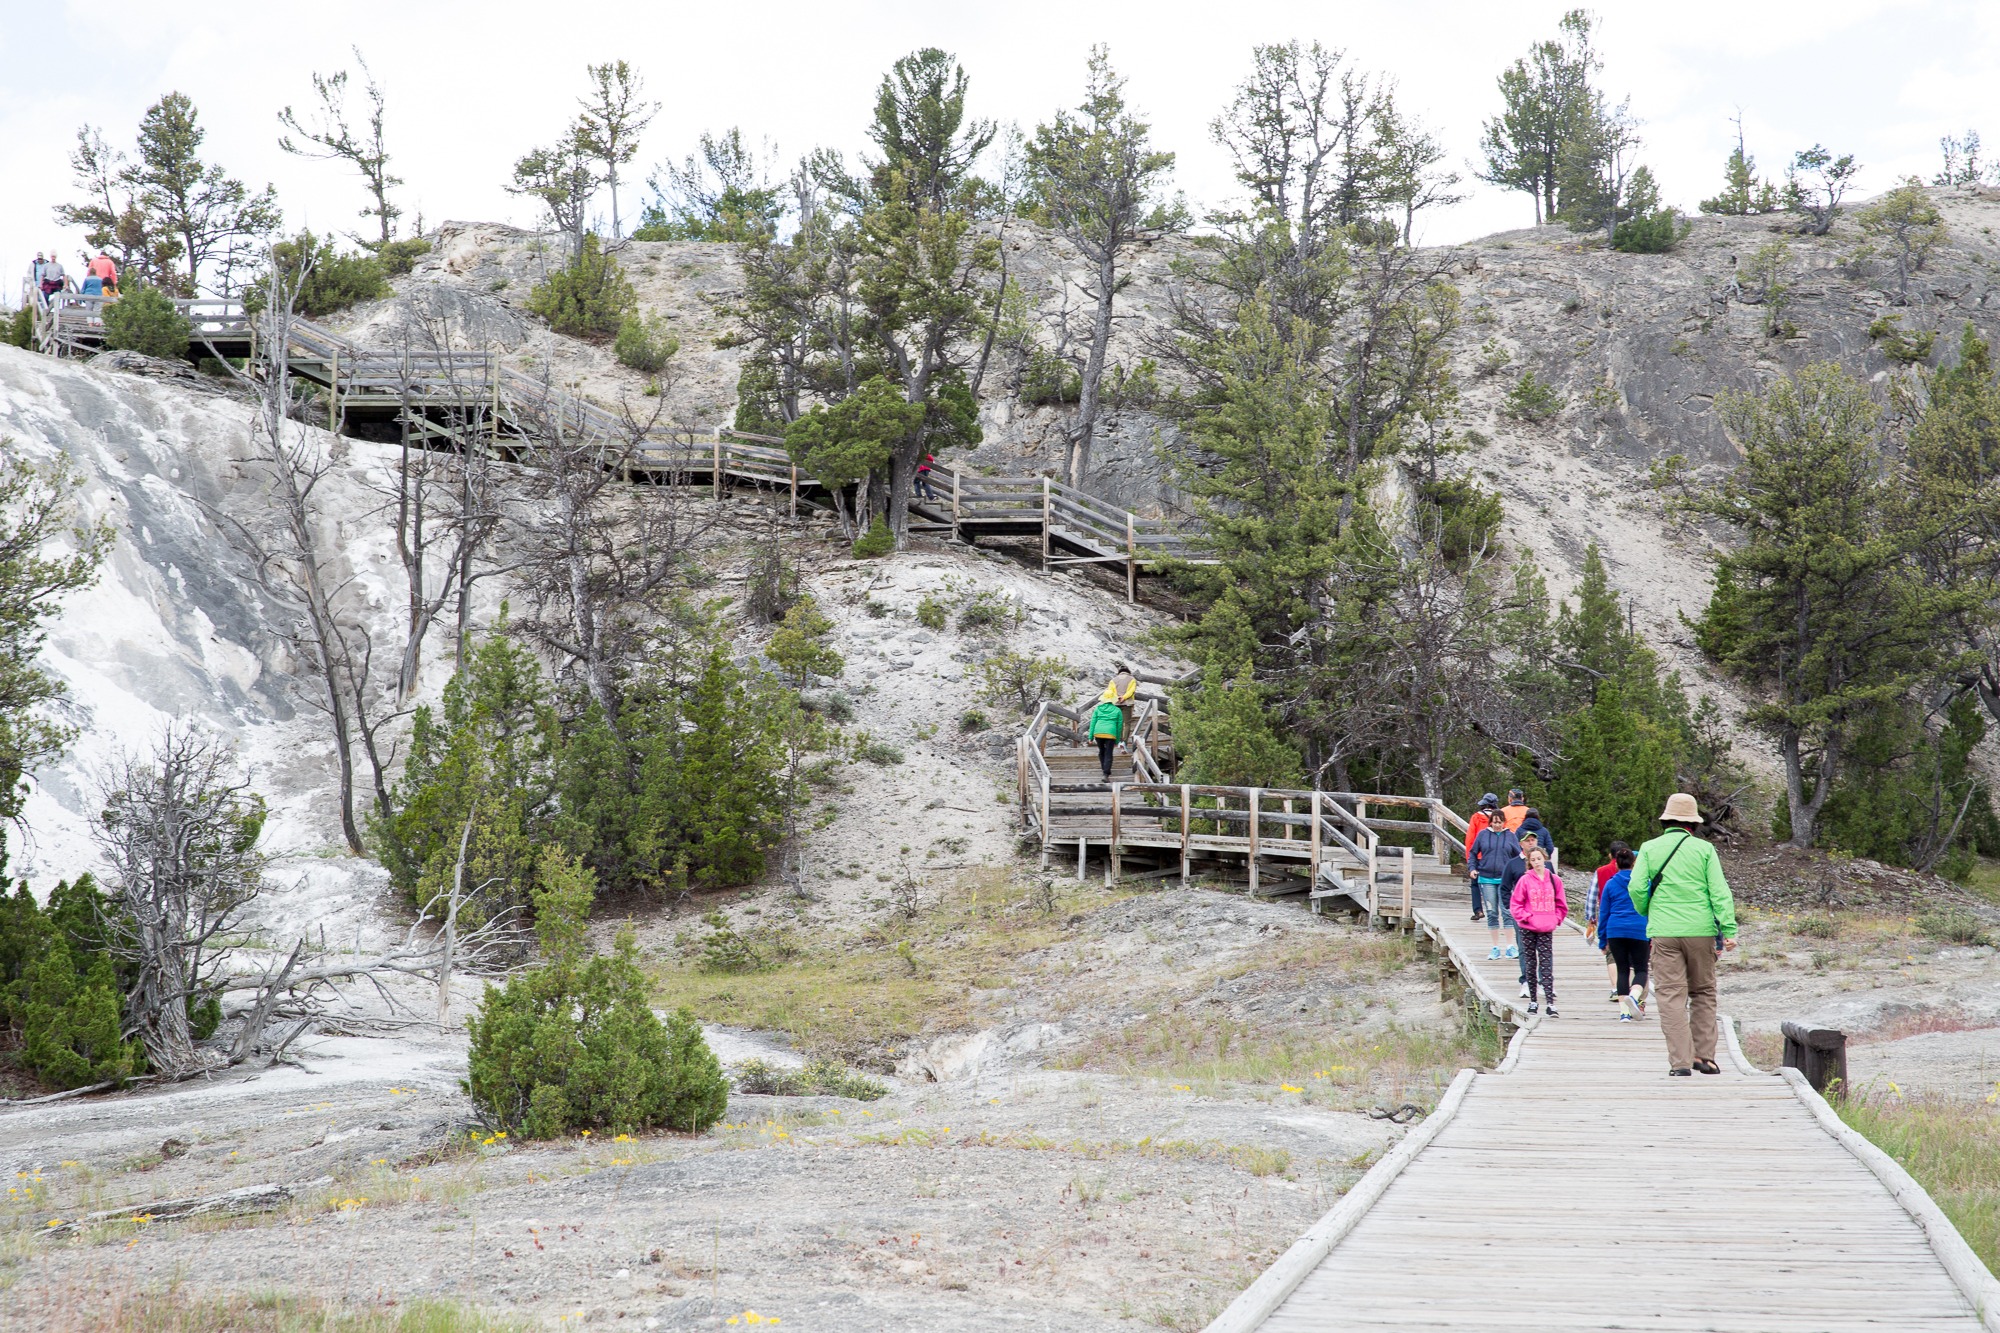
<point x="1824" y="607"/>
<point x="1742" y="193"/>
<point x="574" y="1044"/>
<point x="144" y="320"/>
<point x="1227" y="736"/>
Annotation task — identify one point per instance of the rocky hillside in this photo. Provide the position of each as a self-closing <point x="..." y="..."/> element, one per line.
<point x="1636" y="346"/>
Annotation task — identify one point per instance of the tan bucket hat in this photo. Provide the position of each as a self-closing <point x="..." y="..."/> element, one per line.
<point x="1681" y="809"/>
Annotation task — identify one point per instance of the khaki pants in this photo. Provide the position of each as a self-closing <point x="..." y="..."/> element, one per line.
<point x="1684" y="995"/>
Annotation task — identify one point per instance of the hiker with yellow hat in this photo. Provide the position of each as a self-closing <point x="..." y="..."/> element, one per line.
<point x="1677" y="885"/>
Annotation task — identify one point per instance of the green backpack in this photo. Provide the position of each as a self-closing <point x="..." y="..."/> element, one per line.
<point x="1107" y="721"/>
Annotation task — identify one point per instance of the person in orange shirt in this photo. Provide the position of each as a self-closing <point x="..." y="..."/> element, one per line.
<point x="105" y="271"/>
<point x="1514" y="811"/>
<point x="1473" y="828"/>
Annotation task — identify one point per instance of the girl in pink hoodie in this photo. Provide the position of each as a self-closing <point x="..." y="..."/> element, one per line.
<point x="1540" y="907"/>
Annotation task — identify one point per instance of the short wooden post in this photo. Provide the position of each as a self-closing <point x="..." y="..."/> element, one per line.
<point x="1131" y="559"/>
<point x="1409" y="878"/>
<point x="1184" y="835"/>
<point x="1082" y="850"/>
<point x="795" y="490"/>
<point x="955" y="534"/>
<point x="1315" y="842"/>
<point x="716" y="474"/>
<point x="1046" y="507"/>
<point x="1256" y="794"/>
<point x="1116" y="788"/>
<point x="1287" y="805"/>
<point x="333" y="392"/>
<point x="1820" y="1054"/>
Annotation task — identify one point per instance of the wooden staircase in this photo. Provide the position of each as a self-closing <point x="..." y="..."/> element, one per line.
<point x="1331" y="846"/>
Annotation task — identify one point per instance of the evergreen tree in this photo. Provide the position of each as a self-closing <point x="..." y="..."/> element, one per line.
<point x="591" y="298"/>
<point x="207" y="211"/>
<point x="1226" y="735"/>
<point x="729" y="765"/>
<point x="145" y="320"/>
<point x="574" y="1044"/>
<point x="1550" y="106"/>
<point x="1096" y="179"/>
<point x="614" y="116"/>
<point x="1742" y="193"/>
<point x="721" y="192"/>
<point x="45" y="552"/>
<point x="1823" y="606"/>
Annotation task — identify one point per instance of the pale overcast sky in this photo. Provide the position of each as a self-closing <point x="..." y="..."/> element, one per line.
<point x="471" y="86"/>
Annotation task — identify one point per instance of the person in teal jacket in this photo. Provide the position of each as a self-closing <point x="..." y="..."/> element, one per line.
<point x="1107" y="728"/>
<point x="1677" y="885"/>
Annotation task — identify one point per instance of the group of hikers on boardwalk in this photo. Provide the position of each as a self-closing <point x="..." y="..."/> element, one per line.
<point x="48" y="279"/>
<point x="1660" y="918"/>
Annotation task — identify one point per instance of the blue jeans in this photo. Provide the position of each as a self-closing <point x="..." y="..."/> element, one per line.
<point x="1496" y="911"/>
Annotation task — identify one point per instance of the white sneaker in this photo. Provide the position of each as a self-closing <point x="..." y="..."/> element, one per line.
<point x="1638" y="994"/>
<point x="1524" y="990"/>
<point x="1630" y="1008"/>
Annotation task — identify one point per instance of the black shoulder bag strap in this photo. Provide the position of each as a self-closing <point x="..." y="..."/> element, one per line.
<point x="1653" y="884"/>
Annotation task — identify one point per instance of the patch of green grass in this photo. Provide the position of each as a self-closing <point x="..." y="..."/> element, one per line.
<point x="1953" y="926"/>
<point x="855" y="996"/>
<point x="1952" y="1148"/>
<point x="175" y="1311"/>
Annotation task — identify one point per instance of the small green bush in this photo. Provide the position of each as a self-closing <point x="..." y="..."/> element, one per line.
<point x="1953" y="925"/>
<point x="984" y="610"/>
<point x="872" y="751"/>
<point x="1898" y="345"/>
<point x="1047" y="378"/>
<point x="971" y="720"/>
<point x="932" y="613"/>
<point x="1653" y="233"/>
<point x="325" y="280"/>
<point x="589" y="299"/>
<point x="1531" y="399"/>
<point x="1468" y="515"/>
<point x="20" y="328"/>
<point x="645" y="344"/>
<point x="877" y="541"/>
<point x="144" y="320"/>
<point x="799" y="648"/>
<point x="1021" y="680"/>
<point x="835" y="707"/>
<point x="819" y="1078"/>
<point x="1817" y="927"/>
<point x="574" y="1044"/>
<point x="724" y="949"/>
<point x="399" y="257"/>
<point x="60" y="990"/>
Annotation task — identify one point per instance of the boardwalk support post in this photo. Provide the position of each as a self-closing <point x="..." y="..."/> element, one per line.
<point x="1820" y="1054"/>
<point x="1047" y="509"/>
<point x="333" y="392"/>
<point x="716" y="475"/>
<point x="1184" y="835"/>
<point x="956" y="535"/>
<point x="1131" y="559"/>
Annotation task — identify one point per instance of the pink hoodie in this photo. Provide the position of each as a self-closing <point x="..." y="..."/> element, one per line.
<point x="1538" y="901"/>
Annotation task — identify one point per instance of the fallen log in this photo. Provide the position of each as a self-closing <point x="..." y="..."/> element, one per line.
<point x="248" y="1199"/>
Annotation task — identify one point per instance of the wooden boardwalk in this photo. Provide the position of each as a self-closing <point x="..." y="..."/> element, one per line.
<point x="448" y="397"/>
<point x="1581" y="1188"/>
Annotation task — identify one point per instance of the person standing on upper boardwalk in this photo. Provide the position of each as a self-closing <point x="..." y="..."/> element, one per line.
<point x="1677" y="885"/>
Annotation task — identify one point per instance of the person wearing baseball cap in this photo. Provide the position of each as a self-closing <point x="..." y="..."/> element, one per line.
<point x="1677" y="885"/>
<point x="1488" y="804"/>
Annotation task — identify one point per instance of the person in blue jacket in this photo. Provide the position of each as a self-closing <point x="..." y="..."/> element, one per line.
<point x="1492" y="850"/>
<point x="1622" y="930"/>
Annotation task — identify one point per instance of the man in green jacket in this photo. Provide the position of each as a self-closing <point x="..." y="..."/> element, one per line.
<point x="1677" y="885"/>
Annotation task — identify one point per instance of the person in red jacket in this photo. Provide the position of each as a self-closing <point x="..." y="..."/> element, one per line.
<point x="1595" y="903"/>
<point x="1473" y="828"/>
